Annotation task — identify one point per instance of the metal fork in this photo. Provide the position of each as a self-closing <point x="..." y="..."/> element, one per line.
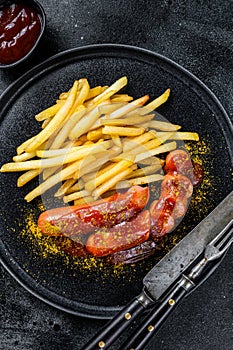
<point x="214" y="250"/>
<point x="154" y="320"/>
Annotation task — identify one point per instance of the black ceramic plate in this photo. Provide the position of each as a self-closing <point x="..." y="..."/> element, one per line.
<point x="58" y="279"/>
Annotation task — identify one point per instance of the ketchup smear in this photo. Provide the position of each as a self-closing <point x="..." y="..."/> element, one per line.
<point x="20" y="27"/>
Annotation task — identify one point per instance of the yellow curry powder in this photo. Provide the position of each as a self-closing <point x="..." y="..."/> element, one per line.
<point x="46" y="247"/>
<point x="202" y="194"/>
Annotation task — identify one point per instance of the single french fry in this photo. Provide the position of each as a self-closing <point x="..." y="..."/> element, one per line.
<point x="94" y="135"/>
<point x="158" y="140"/>
<point x="180" y="135"/>
<point x="152" y="161"/>
<point x="93" y="92"/>
<point x="49" y="112"/>
<point x="111" y="107"/>
<point x="55" y="123"/>
<point x="81" y="97"/>
<point x="156" y="102"/>
<point x="65" y="187"/>
<point x="122" y="131"/>
<point x="158" y="150"/>
<point x="164" y="126"/>
<point x="104" y="100"/>
<point x="110" y="183"/>
<point x="76" y="195"/>
<point x="53" y="180"/>
<point x="50" y="153"/>
<point x="111" y="90"/>
<point x="140" y="181"/>
<point x="46" y="122"/>
<point x="24" y="156"/>
<point x="100" y="179"/>
<point x="128" y="107"/>
<point x="79" y="185"/>
<point x="121" y="98"/>
<point x="20" y="149"/>
<point x="26" y="177"/>
<point x="63" y="96"/>
<point x="148" y="170"/>
<point x="89" y="101"/>
<point x="125" y="121"/>
<point x="83" y="149"/>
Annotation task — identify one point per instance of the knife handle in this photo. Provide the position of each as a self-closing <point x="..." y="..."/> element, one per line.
<point x="119" y="323"/>
<point x="154" y="320"/>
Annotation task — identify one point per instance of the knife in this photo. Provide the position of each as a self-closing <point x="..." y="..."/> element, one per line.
<point x="159" y="313"/>
<point x="163" y="277"/>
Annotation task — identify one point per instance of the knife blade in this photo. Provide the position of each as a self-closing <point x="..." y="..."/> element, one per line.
<point x="163" y="275"/>
<point x="168" y="269"/>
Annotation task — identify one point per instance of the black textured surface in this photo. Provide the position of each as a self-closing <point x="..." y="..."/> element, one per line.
<point x="198" y="36"/>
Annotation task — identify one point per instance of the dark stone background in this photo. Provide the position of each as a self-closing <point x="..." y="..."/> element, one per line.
<point x="198" y="35"/>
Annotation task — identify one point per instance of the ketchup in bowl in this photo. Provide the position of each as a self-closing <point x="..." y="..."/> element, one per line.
<point x="20" y="29"/>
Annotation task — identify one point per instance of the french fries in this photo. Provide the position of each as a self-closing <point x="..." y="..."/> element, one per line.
<point x="94" y="141"/>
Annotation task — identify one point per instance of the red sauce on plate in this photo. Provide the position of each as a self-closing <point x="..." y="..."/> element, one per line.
<point x="20" y="27"/>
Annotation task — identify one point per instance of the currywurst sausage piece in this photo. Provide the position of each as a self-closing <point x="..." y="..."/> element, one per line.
<point x="120" y="237"/>
<point x="73" y="220"/>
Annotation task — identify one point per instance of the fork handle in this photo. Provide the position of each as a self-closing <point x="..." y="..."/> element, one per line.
<point x="154" y="320"/>
<point x="118" y="324"/>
